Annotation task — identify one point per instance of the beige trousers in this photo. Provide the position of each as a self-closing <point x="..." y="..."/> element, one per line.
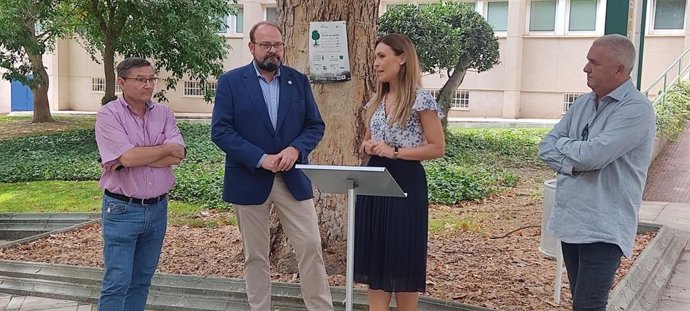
<point x="300" y="223"/>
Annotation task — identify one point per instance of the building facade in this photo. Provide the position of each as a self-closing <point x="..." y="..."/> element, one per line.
<point x="543" y="44"/>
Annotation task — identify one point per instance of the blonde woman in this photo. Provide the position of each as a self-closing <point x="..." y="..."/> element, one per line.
<point x="404" y="128"/>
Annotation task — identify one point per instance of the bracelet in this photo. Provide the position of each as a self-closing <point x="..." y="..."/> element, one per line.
<point x="396" y="152"/>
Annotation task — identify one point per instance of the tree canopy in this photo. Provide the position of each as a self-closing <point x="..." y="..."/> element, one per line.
<point x="180" y="36"/>
<point x="28" y="29"/>
<point x="449" y="37"/>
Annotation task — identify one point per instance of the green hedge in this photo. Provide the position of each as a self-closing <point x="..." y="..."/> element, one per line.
<point x="478" y="162"/>
<point x="64" y="156"/>
<point x="673" y="111"/>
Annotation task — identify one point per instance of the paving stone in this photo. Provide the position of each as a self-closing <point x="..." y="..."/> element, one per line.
<point x="669" y="176"/>
<point x="39" y="303"/>
<point x="670" y="305"/>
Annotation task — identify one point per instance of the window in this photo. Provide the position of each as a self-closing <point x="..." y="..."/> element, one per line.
<point x="567" y="17"/>
<point x="434" y="92"/>
<point x="542" y="15"/>
<point x="497" y="15"/>
<point x="669" y="14"/>
<point x="569" y="99"/>
<point x="98" y="85"/>
<point x="234" y="23"/>
<point x="461" y="100"/>
<point x="271" y="14"/>
<point x="196" y="89"/>
<point x="583" y="15"/>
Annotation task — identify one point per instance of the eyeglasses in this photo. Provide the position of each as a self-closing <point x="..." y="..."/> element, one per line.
<point x="585" y="132"/>
<point x="143" y="81"/>
<point x="267" y="46"/>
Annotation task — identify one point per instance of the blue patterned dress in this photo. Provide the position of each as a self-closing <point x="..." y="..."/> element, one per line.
<point x="391" y="233"/>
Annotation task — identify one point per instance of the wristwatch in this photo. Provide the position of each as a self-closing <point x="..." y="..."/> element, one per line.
<point x="396" y="152"/>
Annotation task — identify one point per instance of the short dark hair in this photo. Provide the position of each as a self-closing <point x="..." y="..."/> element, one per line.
<point x="127" y="64"/>
<point x="268" y="23"/>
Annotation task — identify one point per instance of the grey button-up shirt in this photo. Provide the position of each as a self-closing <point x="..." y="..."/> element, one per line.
<point x="601" y="156"/>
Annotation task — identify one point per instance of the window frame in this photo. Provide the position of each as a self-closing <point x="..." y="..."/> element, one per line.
<point x="100" y="82"/>
<point x="199" y="90"/>
<point x="265" y="9"/>
<point x="458" y="98"/>
<point x="482" y="7"/>
<point x="651" y="17"/>
<point x="231" y="24"/>
<point x="569" y="96"/>
<point x="562" y="21"/>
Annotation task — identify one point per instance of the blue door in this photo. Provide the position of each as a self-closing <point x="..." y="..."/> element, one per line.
<point x="22" y="98"/>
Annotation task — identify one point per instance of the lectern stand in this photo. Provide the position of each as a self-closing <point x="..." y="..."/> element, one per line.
<point x="352" y="180"/>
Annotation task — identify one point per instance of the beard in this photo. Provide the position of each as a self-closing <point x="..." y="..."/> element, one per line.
<point x="270" y="63"/>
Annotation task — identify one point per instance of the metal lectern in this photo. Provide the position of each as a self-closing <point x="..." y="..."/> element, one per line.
<point x="353" y="180"/>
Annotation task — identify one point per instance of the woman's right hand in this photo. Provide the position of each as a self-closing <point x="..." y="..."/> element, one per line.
<point x="367" y="147"/>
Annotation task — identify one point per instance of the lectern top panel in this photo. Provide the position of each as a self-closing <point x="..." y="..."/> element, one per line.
<point x="366" y="180"/>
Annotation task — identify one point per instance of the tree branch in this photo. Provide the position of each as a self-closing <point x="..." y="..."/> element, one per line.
<point x="516" y="230"/>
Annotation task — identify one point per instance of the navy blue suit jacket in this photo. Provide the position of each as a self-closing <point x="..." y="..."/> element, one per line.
<point x="242" y="128"/>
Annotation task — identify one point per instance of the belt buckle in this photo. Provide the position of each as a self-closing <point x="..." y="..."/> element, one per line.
<point x="143" y="202"/>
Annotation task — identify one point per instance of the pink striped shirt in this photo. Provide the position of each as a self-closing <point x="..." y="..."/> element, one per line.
<point x="119" y="129"/>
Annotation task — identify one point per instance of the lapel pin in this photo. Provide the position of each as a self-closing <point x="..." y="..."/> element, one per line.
<point x="289" y="81"/>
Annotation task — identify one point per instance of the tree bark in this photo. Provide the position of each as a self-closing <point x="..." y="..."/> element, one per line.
<point x="448" y="89"/>
<point x="341" y="105"/>
<point x="40" y="84"/>
<point x="40" y="90"/>
<point x="109" y="71"/>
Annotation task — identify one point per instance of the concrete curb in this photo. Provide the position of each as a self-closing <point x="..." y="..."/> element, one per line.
<point x="45" y="224"/>
<point x="642" y="286"/>
<point x="173" y="292"/>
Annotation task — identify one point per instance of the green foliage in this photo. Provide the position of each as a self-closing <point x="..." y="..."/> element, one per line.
<point x="64" y="156"/>
<point x="478" y="162"/>
<point x="84" y="196"/>
<point x="180" y="36"/>
<point x="451" y="183"/>
<point x="449" y="223"/>
<point x="673" y="111"/>
<point x="443" y="34"/>
<point x="50" y="197"/>
<point x="29" y="28"/>
<point x="449" y="37"/>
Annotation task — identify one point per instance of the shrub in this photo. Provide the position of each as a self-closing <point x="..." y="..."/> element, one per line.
<point x="673" y="111"/>
<point x="450" y="183"/>
<point x="474" y="166"/>
<point x="64" y="156"/>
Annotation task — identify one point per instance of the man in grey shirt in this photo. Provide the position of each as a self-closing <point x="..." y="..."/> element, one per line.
<point x="601" y="150"/>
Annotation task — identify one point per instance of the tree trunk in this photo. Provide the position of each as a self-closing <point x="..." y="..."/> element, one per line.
<point x="448" y="89"/>
<point x="109" y="70"/>
<point x="341" y="105"/>
<point x="40" y="84"/>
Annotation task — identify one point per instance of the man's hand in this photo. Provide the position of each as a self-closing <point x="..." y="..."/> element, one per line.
<point x="288" y="156"/>
<point x="175" y="150"/>
<point x="112" y="168"/>
<point x="271" y="162"/>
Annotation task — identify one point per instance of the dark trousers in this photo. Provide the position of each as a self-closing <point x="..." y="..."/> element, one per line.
<point x="591" y="268"/>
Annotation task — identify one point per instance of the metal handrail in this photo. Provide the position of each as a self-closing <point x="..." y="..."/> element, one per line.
<point x="678" y="63"/>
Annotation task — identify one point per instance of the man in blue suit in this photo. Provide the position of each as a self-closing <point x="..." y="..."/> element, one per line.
<point x="265" y="119"/>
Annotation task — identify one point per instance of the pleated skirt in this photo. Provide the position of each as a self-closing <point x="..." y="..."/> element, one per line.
<point x="391" y="233"/>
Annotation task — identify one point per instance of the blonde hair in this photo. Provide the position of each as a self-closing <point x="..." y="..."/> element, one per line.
<point x="409" y="79"/>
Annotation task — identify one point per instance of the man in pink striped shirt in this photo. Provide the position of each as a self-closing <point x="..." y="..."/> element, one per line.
<point x="139" y="142"/>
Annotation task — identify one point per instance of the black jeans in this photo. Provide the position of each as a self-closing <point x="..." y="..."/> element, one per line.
<point x="591" y="268"/>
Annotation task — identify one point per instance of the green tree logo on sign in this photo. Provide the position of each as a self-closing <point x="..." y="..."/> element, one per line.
<point x="315" y="35"/>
